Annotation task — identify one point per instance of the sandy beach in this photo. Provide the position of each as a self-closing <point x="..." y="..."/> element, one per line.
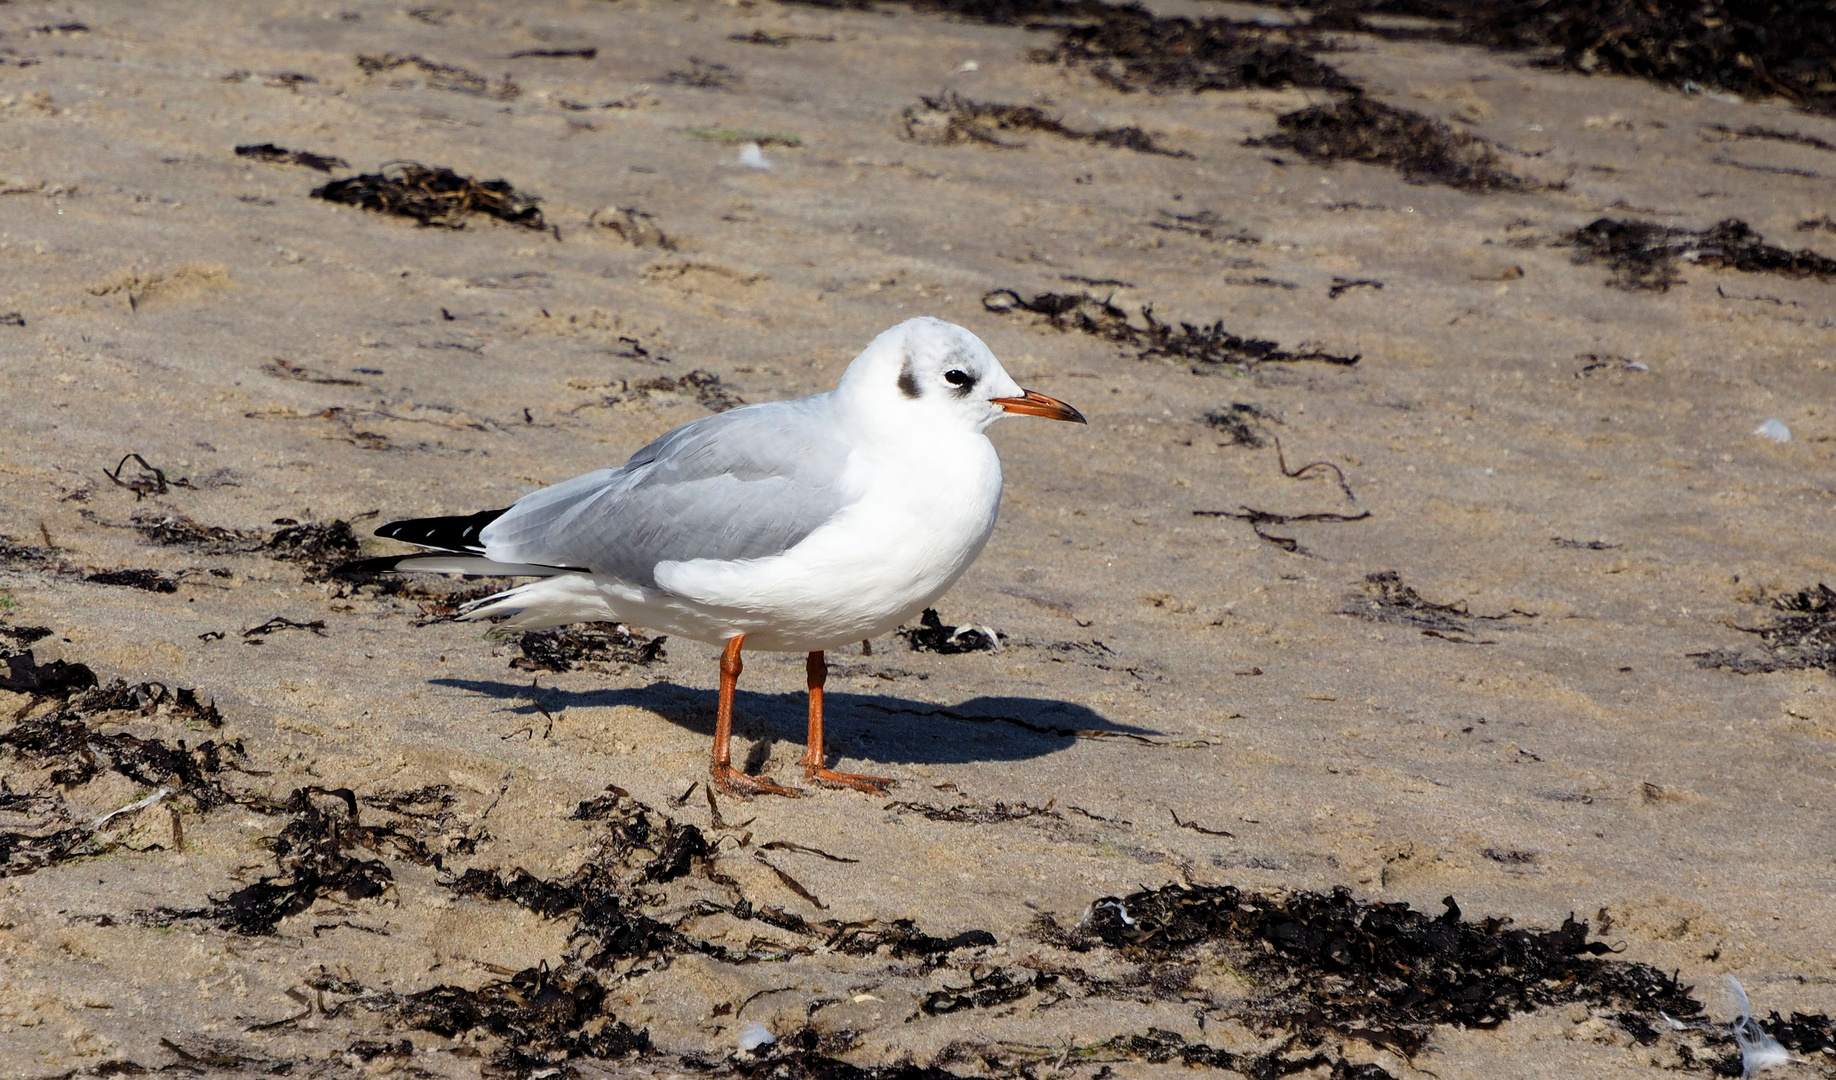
<point x="1422" y="543"/>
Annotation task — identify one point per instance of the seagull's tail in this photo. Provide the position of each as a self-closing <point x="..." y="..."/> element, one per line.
<point x="554" y="601"/>
<point x="459" y="549"/>
<point x="449" y="562"/>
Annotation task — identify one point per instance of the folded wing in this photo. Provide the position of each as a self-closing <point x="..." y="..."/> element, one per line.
<point x="745" y="484"/>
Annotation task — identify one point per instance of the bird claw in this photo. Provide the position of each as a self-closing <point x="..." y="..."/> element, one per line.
<point x="872" y="785"/>
<point x="734" y="782"/>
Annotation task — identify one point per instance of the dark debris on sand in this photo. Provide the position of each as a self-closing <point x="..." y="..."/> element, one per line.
<point x="1424" y="150"/>
<point x="318" y="546"/>
<point x="931" y="635"/>
<point x="69" y="746"/>
<point x="314" y="858"/>
<point x="1384" y="597"/>
<point x="1130" y="48"/>
<point x="1754" y="48"/>
<point x="951" y="118"/>
<point x="569" y="647"/>
<point x="277" y="155"/>
<point x="1206" y="347"/>
<point x="1802" y="636"/>
<point x="1326" y="963"/>
<point x="1242" y="424"/>
<point x="144" y="580"/>
<point x="1644" y="255"/>
<point x="434" y="196"/>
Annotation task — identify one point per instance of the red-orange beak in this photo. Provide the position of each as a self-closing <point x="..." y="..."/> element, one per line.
<point x="1037" y="404"/>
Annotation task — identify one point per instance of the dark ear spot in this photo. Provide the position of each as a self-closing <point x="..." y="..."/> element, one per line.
<point x="908" y="382"/>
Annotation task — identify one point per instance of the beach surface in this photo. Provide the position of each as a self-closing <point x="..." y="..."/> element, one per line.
<point x="1444" y="577"/>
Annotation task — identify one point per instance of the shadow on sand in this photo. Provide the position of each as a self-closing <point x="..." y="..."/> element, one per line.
<point x="882" y="727"/>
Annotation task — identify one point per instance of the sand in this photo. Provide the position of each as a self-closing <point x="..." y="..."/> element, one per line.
<point x="1569" y="756"/>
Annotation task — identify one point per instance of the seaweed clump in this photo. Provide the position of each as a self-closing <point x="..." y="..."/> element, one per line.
<point x="1383" y="973"/>
<point x="1754" y="48"/>
<point x="951" y="118"/>
<point x="1423" y="149"/>
<point x="1207" y="347"/>
<point x="1130" y="48"/>
<point x="319" y="546"/>
<point x="434" y="196"/>
<point x="569" y="647"/>
<point x="1802" y="636"/>
<point x="1643" y="255"/>
<point x="66" y="748"/>
<point x="314" y="859"/>
<point x="543" y="1016"/>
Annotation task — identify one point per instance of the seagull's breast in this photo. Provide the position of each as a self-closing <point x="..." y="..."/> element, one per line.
<point x="924" y="513"/>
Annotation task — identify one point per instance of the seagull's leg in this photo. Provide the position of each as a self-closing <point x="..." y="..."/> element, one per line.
<point x="730" y="779"/>
<point x="812" y="763"/>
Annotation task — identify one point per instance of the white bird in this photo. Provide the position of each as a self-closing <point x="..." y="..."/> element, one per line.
<point x="790" y="526"/>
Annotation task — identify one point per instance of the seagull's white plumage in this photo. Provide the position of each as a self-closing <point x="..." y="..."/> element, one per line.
<point x="796" y="525"/>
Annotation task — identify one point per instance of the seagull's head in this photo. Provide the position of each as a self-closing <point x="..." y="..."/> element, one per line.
<point x="929" y="373"/>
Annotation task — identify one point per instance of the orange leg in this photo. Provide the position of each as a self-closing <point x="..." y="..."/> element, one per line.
<point x="730" y="779"/>
<point x="813" y="767"/>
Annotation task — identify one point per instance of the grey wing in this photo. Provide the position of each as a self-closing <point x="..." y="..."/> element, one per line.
<point x="743" y="484"/>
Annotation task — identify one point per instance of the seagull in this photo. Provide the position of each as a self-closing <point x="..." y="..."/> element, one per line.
<point x="789" y="526"/>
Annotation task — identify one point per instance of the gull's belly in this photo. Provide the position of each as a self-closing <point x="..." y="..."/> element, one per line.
<point x="878" y="563"/>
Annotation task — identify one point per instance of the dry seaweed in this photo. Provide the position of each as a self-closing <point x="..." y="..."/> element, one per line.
<point x="903" y="940"/>
<point x="704" y="386"/>
<point x="318" y="546"/>
<point x="76" y="752"/>
<point x="151" y="481"/>
<point x="1380" y="972"/>
<point x="986" y="989"/>
<point x="314" y="859"/>
<point x="587" y="53"/>
<point x="931" y="635"/>
<point x="972" y="813"/>
<point x="276" y="155"/>
<point x="1259" y="518"/>
<point x="1241" y="424"/>
<point x="316" y="627"/>
<point x="13" y="553"/>
<point x="1802" y="636"/>
<point x="25" y="675"/>
<point x="566" y="648"/>
<point x="177" y="530"/>
<point x="434" y="196"/>
<point x="543" y="1016"/>
<point x="1754" y="48"/>
<point x="1207" y="347"/>
<point x="144" y="580"/>
<point x="1130" y="48"/>
<point x="635" y="227"/>
<point x="438" y="76"/>
<point x="951" y="118"/>
<point x="1643" y="255"/>
<point x="1424" y="150"/>
<point x="1382" y="597"/>
<point x="703" y="75"/>
<point x="1205" y="225"/>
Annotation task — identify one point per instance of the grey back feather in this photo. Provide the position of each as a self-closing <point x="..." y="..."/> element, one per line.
<point x="744" y="484"/>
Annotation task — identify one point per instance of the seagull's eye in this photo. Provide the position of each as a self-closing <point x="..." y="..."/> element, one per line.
<point x="958" y="377"/>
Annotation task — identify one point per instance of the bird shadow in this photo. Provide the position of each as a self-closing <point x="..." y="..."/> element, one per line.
<point x="878" y="727"/>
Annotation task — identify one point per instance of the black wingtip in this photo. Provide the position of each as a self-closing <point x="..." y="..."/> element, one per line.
<point x="457" y="533"/>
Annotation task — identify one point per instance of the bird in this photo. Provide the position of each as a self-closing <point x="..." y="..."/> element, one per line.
<point x="789" y="526"/>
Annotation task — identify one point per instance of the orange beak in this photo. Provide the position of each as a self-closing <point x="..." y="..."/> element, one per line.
<point x="1037" y="404"/>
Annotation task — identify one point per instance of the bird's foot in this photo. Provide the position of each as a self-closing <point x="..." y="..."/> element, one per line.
<point x="734" y="782"/>
<point x="872" y="785"/>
